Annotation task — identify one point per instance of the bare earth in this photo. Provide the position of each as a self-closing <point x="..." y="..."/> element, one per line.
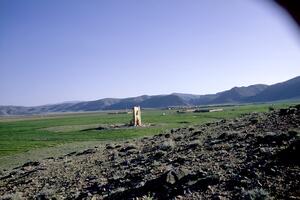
<point x="253" y="157"/>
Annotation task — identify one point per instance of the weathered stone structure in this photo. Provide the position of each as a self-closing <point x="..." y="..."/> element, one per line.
<point x="137" y="120"/>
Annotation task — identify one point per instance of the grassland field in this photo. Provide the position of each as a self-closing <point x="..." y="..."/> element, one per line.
<point x="23" y="134"/>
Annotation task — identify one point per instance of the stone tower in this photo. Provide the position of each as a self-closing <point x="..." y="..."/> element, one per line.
<point x="137" y="120"/>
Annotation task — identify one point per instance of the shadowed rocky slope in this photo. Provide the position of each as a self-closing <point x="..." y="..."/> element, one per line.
<point x="253" y="157"/>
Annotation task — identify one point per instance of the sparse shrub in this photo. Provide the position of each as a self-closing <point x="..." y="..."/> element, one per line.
<point x="227" y="146"/>
<point x="146" y="197"/>
<point x="256" y="194"/>
<point x="167" y="145"/>
<point x="271" y="108"/>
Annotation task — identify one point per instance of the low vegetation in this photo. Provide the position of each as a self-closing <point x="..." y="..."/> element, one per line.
<point x="26" y="133"/>
<point x="255" y="156"/>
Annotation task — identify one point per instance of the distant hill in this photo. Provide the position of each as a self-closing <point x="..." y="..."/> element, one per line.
<point x="238" y="94"/>
<point x="281" y="91"/>
<point x="254" y="93"/>
<point x="163" y="101"/>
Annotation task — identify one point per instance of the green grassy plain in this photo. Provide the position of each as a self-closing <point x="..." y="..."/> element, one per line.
<point x="22" y="134"/>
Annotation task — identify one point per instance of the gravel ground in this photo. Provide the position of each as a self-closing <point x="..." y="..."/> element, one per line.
<point x="252" y="157"/>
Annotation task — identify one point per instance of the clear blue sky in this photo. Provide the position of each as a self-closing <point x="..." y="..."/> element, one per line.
<point x="60" y="50"/>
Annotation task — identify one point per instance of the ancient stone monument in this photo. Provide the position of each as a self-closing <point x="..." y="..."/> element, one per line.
<point x="137" y="120"/>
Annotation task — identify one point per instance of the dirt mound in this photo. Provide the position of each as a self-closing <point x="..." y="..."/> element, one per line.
<point x="252" y="157"/>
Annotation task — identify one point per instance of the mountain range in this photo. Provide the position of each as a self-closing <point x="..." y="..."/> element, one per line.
<point x="288" y="90"/>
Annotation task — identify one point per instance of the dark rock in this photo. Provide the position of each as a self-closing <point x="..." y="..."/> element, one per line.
<point x="191" y="129"/>
<point x="31" y="164"/>
<point x="72" y="153"/>
<point x="88" y="151"/>
<point x="254" y="120"/>
<point x="213" y="142"/>
<point x="292" y="110"/>
<point x="283" y="111"/>
<point x="127" y="148"/>
<point x="169" y="184"/>
<point x="94" y="188"/>
<point x="159" y="154"/>
<point x="223" y="136"/>
<point x="98" y="162"/>
<point x="197" y="133"/>
<point x="194" y="144"/>
<point x="180" y="160"/>
<point x="174" y="176"/>
<point x="275" y="138"/>
<point x="167" y="145"/>
<point x="109" y="147"/>
<point x="256" y="194"/>
<point x="178" y="138"/>
<point x="297" y="106"/>
<point x="290" y="155"/>
<point x="41" y="197"/>
<point x="292" y="133"/>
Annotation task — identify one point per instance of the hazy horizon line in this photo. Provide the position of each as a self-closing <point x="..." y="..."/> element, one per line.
<point x="133" y="96"/>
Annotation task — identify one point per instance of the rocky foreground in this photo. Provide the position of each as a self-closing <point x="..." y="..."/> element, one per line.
<point x="253" y="157"/>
